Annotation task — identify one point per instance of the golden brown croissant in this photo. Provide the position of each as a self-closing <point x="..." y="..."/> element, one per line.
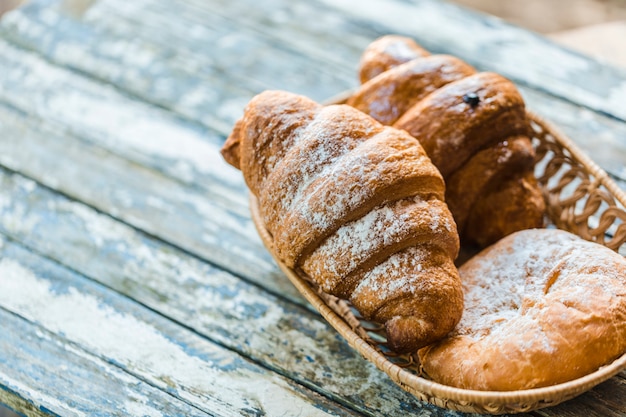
<point x="355" y="206"/>
<point x="472" y="125"/>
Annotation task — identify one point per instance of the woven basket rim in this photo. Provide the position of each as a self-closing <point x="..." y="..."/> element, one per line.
<point x="551" y="395"/>
<point x="495" y="402"/>
<point x="601" y="175"/>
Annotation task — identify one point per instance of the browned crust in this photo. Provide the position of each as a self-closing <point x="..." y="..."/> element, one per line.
<point x="314" y="170"/>
<point x="360" y="245"/>
<point x="387" y="96"/>
<point x="484" y="171"/>
<point x="261" y="138"/>
<point x="333" y="132"/>
<point x="517" y="204"/>
<point x="387" y="52"/>
<point x="571" y="317"/>
<point x="451" y="130"/>
<point x="418" y="314"/>
<point x="389" y="166"/>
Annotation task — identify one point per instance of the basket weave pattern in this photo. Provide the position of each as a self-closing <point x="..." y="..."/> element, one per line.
<point x="580" y="197"/>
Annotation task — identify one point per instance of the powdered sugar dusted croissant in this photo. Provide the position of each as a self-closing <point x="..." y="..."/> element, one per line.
<point x="472" y="125"/>
<point x="357" y="207"/>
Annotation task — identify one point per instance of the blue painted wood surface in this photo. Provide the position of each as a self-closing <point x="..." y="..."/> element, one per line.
<point x="43" y="373"/>
<point x="145" y="345"/>
<point x="128" y="260"/>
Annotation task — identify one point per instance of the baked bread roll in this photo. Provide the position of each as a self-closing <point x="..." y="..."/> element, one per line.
<point x="542" y="307"/>
<point x="387" y="52"/>
<point x="389" y="95"/>
<point x="467" y="122"/>
<point x="356" y="207"/>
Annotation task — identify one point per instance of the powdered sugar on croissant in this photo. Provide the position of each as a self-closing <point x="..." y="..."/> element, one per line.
<point x="355" y="206"/>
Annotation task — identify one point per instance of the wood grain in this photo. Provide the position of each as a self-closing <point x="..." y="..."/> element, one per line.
<point x="44" y="375"/>
<point x="125" y="225"/>
<point x="136" y="39"/>
<point x="139" y="196"/>
<point x="146" y="345"/>
<point x="490" y="43"/>
<point x="267" y="329"/>
<point x="171" y="62"/>
<point x="101" y="115"/>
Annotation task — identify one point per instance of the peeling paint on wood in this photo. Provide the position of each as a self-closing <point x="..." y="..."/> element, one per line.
<point x="267" y="329"/>
<point x="42" y="375"/>
<point x="121" y="124"/>
<point x="152" y="202"/>
<point x="98" y="114"/>
<point x="128" y="54"/>
<point x="490" y="43"/>
<point x="147" y="346"/>
<point x="486" y="42"/>
<point x="122" y="107"/>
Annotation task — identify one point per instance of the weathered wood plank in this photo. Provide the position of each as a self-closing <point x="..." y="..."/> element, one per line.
<point x="318" y="31"/>
<point x="149" y="69"/>
<point x="146" y="199"/>
<point x="189" y="152"/>
<point x="202" y="72"/>
<point x="180" y="287"/>
<point x="492" y="44"/>
<point x="171" y="209"/>
<point x="166" y="280"/>
<point x="237" y="53"/>
<point x="43" y="375"/>
<point x="146" y="345"/>
<point x="199" y="222"/>
<point x="601" y="136"/>
<point x="101" y="115"/>
<point x="270" y="331"/>
<point x="486" y="42"/>
<point x="606" y="400"/>
<point x="121" y="150"/>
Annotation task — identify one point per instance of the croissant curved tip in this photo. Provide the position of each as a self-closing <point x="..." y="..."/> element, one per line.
<point x="409" y="333"/>
<point x="231" y="149"/>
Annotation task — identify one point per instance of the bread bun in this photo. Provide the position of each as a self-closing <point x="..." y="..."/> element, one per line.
<point x="389" y="95"/>
<point x="542" y="307"/>
<point x="388" y="52"/>
<point x="473" y="126"/>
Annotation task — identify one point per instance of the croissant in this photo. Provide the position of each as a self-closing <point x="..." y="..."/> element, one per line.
<point x="356" y="207"/>
<point x="472" y="125"/>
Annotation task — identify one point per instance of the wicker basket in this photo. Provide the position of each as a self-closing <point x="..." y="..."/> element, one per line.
<point x="581" y="198"/>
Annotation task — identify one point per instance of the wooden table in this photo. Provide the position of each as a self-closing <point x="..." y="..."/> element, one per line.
<point x="132" y="281"/>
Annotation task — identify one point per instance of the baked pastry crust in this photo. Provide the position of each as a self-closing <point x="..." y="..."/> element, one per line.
<point x="451" y="129"/>
<point x="542" y="307"/>
<point x="355" y="206"/>
<point x="387" y="52"/>
<point x="389" y="95"/>
<point x="462" y="119"/>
